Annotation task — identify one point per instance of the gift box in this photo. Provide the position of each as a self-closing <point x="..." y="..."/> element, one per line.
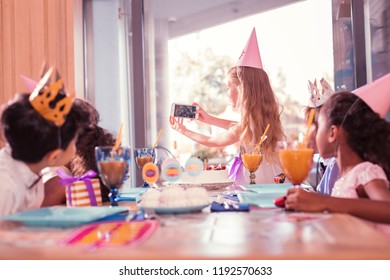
<point x="82" y="190"/>
<point x="77" y="194"/>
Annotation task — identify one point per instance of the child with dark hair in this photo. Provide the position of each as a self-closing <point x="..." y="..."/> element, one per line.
<point x="359" y="139"/>
<point x="325" y="170"/>
<point x="85" y="153"/>
<point x="41" y="130"/>
<point x="90" y="137"/>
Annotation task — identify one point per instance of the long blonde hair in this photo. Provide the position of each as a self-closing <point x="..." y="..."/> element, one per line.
<point x="258" y="106"/>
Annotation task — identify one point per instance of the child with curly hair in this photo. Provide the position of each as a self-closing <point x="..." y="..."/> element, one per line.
<point x="90" y="137"/>
<point x="359" y="139"/>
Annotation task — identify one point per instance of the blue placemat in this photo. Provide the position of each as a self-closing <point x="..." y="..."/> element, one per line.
<point x="261" y="199"/>
<point x="267" y="188"/>
<point x="59" y="216"/>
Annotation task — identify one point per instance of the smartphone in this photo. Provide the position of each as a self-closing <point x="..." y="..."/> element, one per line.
<point x="184" y="111"/>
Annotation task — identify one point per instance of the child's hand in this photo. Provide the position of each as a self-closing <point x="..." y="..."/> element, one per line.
<point x="302" y="200"/>
<point x="177" y="124"/>
<point x="203" y="115"/>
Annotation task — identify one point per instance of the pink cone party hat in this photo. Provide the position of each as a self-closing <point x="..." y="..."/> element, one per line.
<point x="376" y="95"/>
<point x="250" y="55"/>
<point x="30" y="83"/>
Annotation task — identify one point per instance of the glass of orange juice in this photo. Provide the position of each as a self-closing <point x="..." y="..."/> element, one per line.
<point x="251" y="157"/>
<point x="296" y="160"/>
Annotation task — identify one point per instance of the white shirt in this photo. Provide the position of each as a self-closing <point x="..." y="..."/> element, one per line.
<point x="15" y="179"/>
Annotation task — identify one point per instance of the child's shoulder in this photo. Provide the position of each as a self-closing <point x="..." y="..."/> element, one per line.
<point x="368" y="171"/>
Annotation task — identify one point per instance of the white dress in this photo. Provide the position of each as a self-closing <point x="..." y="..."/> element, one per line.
<point x="361" y="174"/>
<point x="17" y="189"/>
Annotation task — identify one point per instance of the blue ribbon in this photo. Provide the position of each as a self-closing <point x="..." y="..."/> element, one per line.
<point x="86" y="178"/>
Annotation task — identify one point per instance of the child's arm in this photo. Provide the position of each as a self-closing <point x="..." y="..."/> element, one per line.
<point x="373" y="210"/>
<point x="211" y="120"/>
<point x="377" y="190"/>
<point x="221" y="140"/>
<point x="54" y="192"/>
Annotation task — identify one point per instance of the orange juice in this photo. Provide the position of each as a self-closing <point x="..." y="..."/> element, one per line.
<point x="296" y="163"/>
<point x="252" y="162"/>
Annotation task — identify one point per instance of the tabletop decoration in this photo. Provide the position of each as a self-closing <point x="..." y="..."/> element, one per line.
<point x="81" y="190"/>
<point x="108" y="234"/>
<point x="234" y="169"/>
<point x="150" y="173"/>
<point x="171" y="170"/>
<point x="194" y="166"/>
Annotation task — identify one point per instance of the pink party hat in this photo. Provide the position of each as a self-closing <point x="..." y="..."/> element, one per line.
<point x="250" y="55"/>
<point x="376" y="95"/>
<point x="30" y="83"/>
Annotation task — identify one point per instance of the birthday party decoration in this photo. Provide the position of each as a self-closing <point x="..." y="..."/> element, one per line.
<point x="51" y="101"/>
<point x="250" y="55"/>
<point x="376" y="95"/>
<point x="171" y="170"/>
<point x="150" y="173"/>
<point x="81" y="190"/>
<point x="194" y="166"/>
<point x="319" y="96"/>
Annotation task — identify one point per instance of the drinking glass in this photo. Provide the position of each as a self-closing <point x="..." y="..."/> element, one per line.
<point x="251" y="157"/>
<point x="296" y="161"/>
<point x="142" y="156"/>
<point x="113" y="166"/>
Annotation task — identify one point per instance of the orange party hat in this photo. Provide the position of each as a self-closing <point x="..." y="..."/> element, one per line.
<point x="376" y="95"/>
<point x="250" y="55"/>
<point x="50" y="100"/>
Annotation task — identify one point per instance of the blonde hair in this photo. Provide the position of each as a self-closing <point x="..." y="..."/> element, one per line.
<point x="258" y="106"/>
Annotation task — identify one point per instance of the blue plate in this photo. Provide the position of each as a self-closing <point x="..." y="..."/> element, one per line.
<point x="176" y="210"/>
<point x="58" y="216"/>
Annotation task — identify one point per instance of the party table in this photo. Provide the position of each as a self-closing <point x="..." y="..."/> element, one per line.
<point x="262" y="233"/>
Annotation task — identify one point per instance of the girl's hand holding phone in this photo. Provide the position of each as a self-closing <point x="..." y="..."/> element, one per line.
<point x="202" y="114"/>
<point x="184" y="111"/>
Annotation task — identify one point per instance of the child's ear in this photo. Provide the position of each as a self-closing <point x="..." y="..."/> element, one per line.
<point x="52" y="157"/>
<point x="333" y="133"/>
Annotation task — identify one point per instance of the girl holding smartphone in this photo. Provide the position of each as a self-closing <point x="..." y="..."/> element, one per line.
<point x="251" y="93"/>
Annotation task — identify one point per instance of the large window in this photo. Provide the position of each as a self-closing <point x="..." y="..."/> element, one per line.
<point x="190" y="48"/>
<point x="142" y="55"/>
